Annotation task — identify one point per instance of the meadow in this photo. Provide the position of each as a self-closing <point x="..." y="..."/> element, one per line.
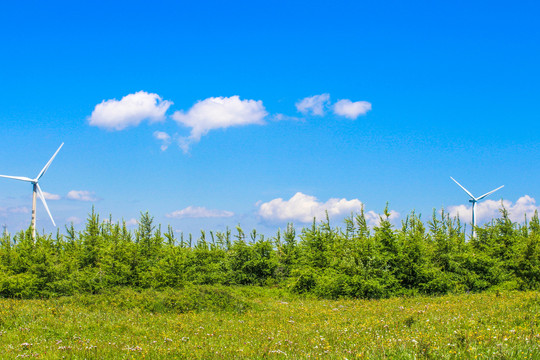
<point x="205" y="322"/>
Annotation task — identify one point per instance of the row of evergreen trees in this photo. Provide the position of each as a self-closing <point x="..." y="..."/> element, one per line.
<point x="435" y="257"/>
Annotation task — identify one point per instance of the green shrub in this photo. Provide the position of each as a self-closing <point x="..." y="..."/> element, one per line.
<point x="325" y="261"/>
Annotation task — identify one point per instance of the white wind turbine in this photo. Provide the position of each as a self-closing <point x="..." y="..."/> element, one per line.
<point x="474" y="201"/>
<point x="37" y="191"/>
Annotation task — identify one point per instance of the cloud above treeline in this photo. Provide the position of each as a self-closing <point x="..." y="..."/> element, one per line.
<point x="303" y="208"/>
<point x="196" y="212"/>
<point x="490" y="209"/>
<point x="74" y="219"/>
<point x="5" y="211"/>
<point x="209" y="114"/>
<point x="49" y="196"/>
<point x="81" y="195"/>
<point x="132" y="222"/>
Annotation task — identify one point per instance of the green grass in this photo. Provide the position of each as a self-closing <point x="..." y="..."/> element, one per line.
<point x="255" y="323"/>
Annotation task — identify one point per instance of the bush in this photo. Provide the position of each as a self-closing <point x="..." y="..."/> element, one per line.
<point x="323" y="260"/>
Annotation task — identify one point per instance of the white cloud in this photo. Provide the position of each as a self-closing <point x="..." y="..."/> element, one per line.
<point x="49" y="196"/>
<point x="374" y="219"/>
<point x="314" y="104"/>
<point x="199" y="212"/>
<point x="13" y="210"/>
<point x="132" y="222"/>
<point x="351" y="109"/>
<point x="73" y="219"/>
<point x="283" y="117"/>
<point x="218" y="113"/>
<point x="489" y="209"/>
<point x="130" y="111"/>
<point x="19" y="210"/>
<point x="164" y="138"/>
<point x="129" y="222"/>
<point x="304" y="208"/>
<point x="81" y="195"/>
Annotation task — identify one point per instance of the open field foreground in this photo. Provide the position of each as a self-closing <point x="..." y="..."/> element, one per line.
<point x="248" y="322"/>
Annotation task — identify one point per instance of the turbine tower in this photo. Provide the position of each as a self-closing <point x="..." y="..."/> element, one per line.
<point x="37" y="191"/>
<point x="474" y="200"/>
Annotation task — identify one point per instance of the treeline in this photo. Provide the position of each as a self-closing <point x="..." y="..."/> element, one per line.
<point x="433" y="257"/>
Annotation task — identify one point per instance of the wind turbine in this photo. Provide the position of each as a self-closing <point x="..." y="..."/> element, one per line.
<point x="37" y="191"/>
<point x="474" y="201"/>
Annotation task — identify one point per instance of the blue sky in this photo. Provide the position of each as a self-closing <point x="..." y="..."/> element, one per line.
<point x="322" y="105"/>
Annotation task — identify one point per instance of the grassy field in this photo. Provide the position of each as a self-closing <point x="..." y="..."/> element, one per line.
<point x="255" y="323"/>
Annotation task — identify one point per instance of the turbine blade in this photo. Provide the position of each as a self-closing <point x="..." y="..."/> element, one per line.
<point x="461" y="186"/>
<point x="22" y="178"/>
<point x="491" y="192"/>
<point x="44" y="203"/>
<point x="44" y="170"/>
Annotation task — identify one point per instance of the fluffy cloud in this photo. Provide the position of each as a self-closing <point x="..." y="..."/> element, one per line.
<point x="489" y="209"/>
<point x="199" y="212"/>
<point x="218" y="113"/>
<point x="164" y="138"/>
<point x="208" y="114"/>
<point x="49" y="196"/>
<point x="130" y="111"/>
<point x="303" y="208"/>
<point x="350" y="109"/>
<point x="314" y="104"/>
<point x="81" y="195"/>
